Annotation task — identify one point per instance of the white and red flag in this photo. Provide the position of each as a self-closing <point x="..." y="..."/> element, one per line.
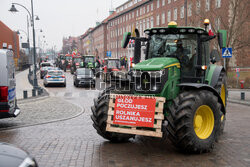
<point x="210" y="32"/>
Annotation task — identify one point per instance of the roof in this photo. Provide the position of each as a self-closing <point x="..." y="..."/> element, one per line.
<point x="109" y="17"/>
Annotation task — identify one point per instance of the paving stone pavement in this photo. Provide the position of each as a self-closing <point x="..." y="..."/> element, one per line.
<point x="75" y="143"/>
<point x="41" y="111"/>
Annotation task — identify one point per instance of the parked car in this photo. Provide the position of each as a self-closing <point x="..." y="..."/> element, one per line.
<point x="43" y="70"/>
<point x="44" y="67"/>
<point x="46" y="64"/>
<point x="11" y="156"/>
<point x="84" y="76"/>
<point x="55" y="77"/>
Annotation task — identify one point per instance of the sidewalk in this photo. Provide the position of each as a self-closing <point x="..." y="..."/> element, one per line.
<point x="234" y="96"/>
<point x="22" y="83"/>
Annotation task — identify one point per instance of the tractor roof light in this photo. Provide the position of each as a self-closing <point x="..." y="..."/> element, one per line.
<point x="204" y="67"/>
<point x="206" y="22"/>
<point x="162" y="30"/>
<point x="172" y="24"/>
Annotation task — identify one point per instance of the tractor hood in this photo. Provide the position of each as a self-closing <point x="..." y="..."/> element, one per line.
<point x="155" y="64"/>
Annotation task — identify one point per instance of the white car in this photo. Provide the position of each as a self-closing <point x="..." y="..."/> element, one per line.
<point x="54" y="77"/>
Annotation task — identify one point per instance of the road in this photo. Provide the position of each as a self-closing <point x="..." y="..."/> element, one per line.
<point x="74" y="142"/>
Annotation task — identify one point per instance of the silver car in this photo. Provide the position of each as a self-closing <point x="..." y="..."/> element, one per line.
<point x="54" y="77"/>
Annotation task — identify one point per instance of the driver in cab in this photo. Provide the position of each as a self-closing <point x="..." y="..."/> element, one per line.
<point x="181" y="53"/>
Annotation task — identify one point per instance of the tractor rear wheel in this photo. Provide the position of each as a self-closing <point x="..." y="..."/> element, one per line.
<point x="196" y="121"/>
<point x="99" y="118"/>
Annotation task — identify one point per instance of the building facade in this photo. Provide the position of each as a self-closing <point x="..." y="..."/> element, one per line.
<point x="9" y="39"/>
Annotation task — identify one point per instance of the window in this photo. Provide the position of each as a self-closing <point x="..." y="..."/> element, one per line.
<point x="144" y="25"/>
<point x="190" y="9"/>
<point x="182" y="12"/>
<point x="148" y="8"/>
<point x="198" y="6"/>
<point x="169" y="16"/>
<point x="137" y="13"/>
<point x="169" y="1"/>
<point x="152" y="21"/>
<point x="158" y="20"/>
<point x="217" y="23"/>
<point x="147" y="22"/>
<point x="132" y="14"/>
<point x="141" y="27"/>
<point x="163" y="18"/>
<point x="218" y="3"/>
<point x="152" y="7"/>
<point x="175" y="13"/>
<point x="207" y="8"/>
<point x="158" y="4"/>
<point x="163" y="2"/>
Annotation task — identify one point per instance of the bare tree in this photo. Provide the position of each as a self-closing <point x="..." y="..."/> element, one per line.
<point x="232" y="16"/>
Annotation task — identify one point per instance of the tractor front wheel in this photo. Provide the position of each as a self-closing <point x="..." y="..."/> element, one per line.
<point x="197" y="121"/>
<point x="99" y="118"/>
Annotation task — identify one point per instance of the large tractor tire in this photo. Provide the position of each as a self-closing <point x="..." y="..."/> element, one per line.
<point x="99" y="118"/>
<point x="221" y="88"/>
<point x="194" y="121"/>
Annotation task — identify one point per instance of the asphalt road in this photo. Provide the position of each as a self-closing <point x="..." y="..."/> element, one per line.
<point x="74" y="142"/>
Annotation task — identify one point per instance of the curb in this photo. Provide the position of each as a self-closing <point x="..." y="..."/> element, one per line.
<point x="239" y="102"/>
<point x="42" y="123"/>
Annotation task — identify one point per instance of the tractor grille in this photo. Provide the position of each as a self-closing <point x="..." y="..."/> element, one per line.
<point x="149" y="82"/>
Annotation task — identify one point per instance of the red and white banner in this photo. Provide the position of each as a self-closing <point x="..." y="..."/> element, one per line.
<point x="134" y="111"/>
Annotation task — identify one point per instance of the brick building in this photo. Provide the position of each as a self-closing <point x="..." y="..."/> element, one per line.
<point x="143" y="14"/>
<point x="70" y="44"/>
<point x="10" y="39"/>
<point x="86" y="42"/>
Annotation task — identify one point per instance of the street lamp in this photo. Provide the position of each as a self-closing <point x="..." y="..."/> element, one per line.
<point x="31" y="14"/>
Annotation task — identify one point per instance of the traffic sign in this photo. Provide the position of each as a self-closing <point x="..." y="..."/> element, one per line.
<point x="226" y="52"/>
<point x="237" y="69"/>
<point x="109" y="54"/>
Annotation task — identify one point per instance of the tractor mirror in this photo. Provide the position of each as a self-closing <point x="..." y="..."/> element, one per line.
<point x="137" y="51"/>
<point x="220" y="42"/>
<point x="126" y="38"/>
<point x="222" y="38"/>
<point x="137" y="33"/>
<point x="214" y="56"/>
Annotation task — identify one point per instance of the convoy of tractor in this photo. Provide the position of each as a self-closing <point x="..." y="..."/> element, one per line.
<point x="180" y="71"/>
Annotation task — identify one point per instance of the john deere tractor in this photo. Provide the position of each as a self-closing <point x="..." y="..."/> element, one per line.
<point x="179" y="67"/>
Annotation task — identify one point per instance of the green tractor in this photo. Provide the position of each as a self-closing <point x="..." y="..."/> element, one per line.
<point x="180" y="68"/>
<point x="89" y="62"/>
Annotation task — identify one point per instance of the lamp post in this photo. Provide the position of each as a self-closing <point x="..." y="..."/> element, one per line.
<point x="31" y="14"/>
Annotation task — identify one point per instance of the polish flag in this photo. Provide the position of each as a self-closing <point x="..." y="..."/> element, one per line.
<point x="210" y="32"/>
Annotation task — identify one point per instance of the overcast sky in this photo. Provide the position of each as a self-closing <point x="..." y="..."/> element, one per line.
<point x="58" y="18"/>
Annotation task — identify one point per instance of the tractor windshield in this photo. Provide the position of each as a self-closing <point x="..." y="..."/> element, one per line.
<point x="172" y="45"/>
<point x="68" y="58"/>
<point x="114" y="64"/>
<point x="78" y="60"/>
<point x="89" y="59"/>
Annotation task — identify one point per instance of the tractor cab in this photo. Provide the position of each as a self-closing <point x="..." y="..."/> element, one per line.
<point x="89" y="61"/>
<point x="186" y="48"/>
